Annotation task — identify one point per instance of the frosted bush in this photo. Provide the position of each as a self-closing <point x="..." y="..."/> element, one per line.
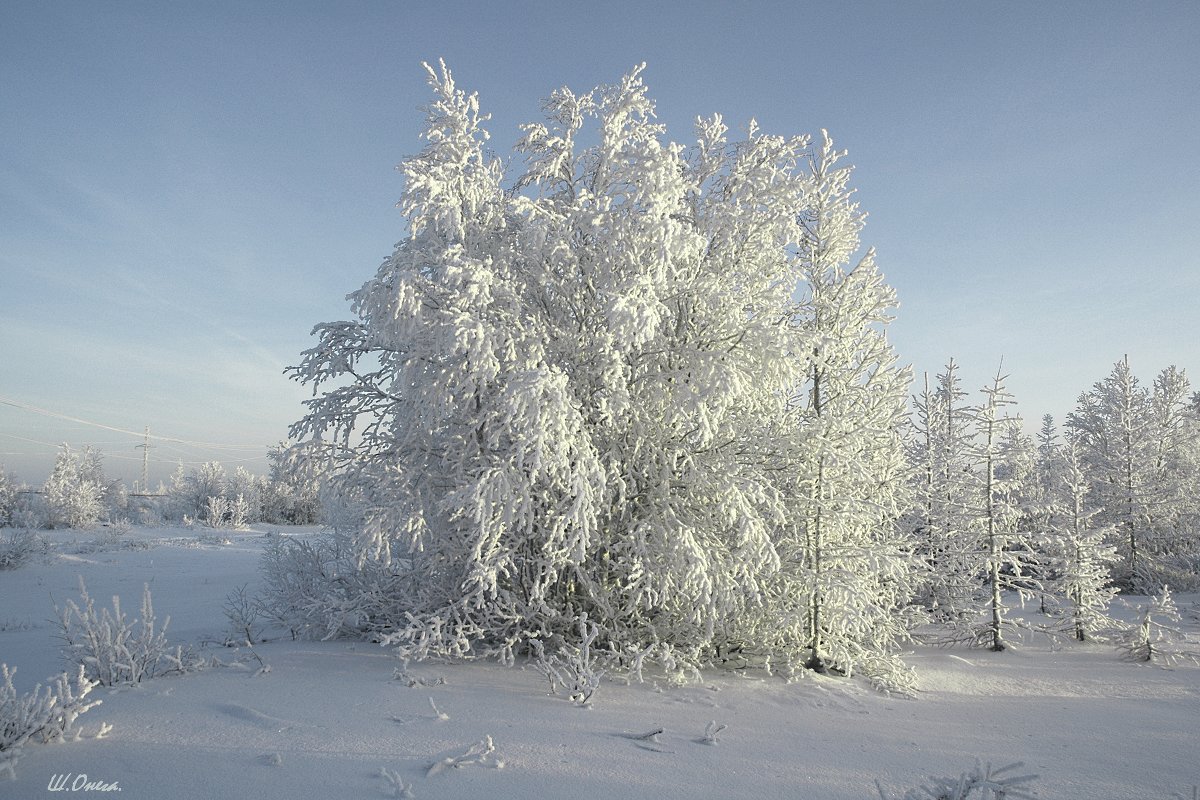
<point x="47" y="714"/>
<point x="113" y="650"/>
<point x="314" y="588"/>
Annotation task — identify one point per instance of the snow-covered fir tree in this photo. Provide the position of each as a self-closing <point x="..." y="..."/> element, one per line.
<point x="943" y="521"/>
<point x="1155" y="636"/>
<point x="1081" y="553"/>
<point x="1004" y="459"/>
<point x="573" y="396"/>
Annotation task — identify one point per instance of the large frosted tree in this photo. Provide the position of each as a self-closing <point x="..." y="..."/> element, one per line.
<point x="572" y="393"/>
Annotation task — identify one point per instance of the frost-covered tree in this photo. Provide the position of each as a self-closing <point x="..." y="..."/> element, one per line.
<point x="291" y="493"/>
<point x="9" y="487"/>
<point x="1173" y="502"/>
<point x="944" y="521"/>
<point x="1139" y="448"/>
<point x="1004" y="459"/>
<point x="75" y="491"/>
<point x="1080" y="551"/>
<point x="849" y="464"/>
<point x="1112" y="425"/>
<point x="571" y="395"/>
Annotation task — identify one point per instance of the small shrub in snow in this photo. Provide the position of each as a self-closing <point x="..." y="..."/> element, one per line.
<point x="20" y="547"/>
<point x="245" y="618"/>
<point x="1153" y="638"/>
<point x="113" y="650"/>
<point x="981" y="783"/>
<point x="315" y="588"/>
<point x="576" y="668"/>
<point x="297" y="577"/>
<point x="47" y="714"/>
<point x="29" y="511"/>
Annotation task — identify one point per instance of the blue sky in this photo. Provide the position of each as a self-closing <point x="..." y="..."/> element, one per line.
<point x="187" y="188"/>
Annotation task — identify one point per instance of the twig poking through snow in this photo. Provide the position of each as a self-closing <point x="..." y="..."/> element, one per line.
<point x="396" y="783"/>
<point x="711" y="733"/>
<point x="647" y="736"/>
<point x="413" y="681"/>
<point x="475" y="754"/>
<point x="991" y="784"/>
<point x="437" y="712"/>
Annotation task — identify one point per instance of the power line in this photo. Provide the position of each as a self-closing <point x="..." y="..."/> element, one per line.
<point x="56" y="415"/>
<point x="107" y="454"/>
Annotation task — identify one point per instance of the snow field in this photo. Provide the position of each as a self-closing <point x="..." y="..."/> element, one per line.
<point x="329" y="716"/>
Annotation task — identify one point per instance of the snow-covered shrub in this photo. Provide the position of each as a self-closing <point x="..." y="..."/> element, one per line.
<point x="313" y="589"/>
<point x="29" y="511"/>
<point x="76" y="489"/>
<point x="114" y="650"/>
<point x="981" y="783"/>
<point x="216" y="511"/>
<point x="712" y="733"/>
<point x="18" y="547"/>
<point x="583" y="393"/>
<point x="47" y="714"/>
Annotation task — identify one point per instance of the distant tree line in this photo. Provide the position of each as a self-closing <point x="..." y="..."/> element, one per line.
<point x="77" y="494"/>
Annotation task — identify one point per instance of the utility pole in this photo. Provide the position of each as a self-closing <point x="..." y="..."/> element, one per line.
<point x="145" y="445"/>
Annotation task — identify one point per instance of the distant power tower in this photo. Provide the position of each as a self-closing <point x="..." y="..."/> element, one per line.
<point x="145" y="445"/>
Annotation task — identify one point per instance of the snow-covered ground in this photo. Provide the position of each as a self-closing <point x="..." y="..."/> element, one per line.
<point x="329" y="716"/>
